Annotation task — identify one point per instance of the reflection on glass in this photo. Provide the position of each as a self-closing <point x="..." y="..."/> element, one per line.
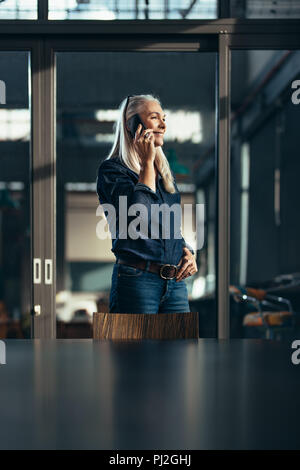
<point x="18" y="10"/>
<point x="132" y="9"/>
<point x="90" y="87"/>
<point x="15" y="230"/>
<point x="265" y="229"/>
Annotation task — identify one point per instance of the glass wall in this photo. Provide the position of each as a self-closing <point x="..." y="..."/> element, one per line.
<point x="15" y="229"/>
<point x="131" y="10"/>
<point x="152" y="10"/>
<point x="270" y="9"/>
<point x="18" y="10"/>
<point x="90" y="88"/>
<point x="265" y="191"/>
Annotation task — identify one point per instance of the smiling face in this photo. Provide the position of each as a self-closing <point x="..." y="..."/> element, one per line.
<point x="154" y="118"/>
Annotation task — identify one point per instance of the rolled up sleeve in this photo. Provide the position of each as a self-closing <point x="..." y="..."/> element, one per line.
<point x="113" y="182"/>
<point x="143" y="187"/>
<point x="185" y="244"/>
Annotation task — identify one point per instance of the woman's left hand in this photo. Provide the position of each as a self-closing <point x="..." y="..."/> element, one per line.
<point x="187" y="264"/>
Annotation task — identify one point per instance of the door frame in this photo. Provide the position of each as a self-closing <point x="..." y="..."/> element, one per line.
<point x="173" y="44"/>
<point x="41" y="182"/>
<point x="286" y="40"/>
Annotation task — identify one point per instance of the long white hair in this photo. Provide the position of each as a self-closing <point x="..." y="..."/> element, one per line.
<point x="123" y="143"/>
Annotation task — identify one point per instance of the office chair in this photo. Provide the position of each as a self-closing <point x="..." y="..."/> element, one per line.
<point x="272" y="323"/>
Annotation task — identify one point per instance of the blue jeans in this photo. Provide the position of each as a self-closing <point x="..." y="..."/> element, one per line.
<point x="136" y="291"/>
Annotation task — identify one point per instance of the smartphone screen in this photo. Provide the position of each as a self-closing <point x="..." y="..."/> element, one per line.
<point x="133" y="123"/>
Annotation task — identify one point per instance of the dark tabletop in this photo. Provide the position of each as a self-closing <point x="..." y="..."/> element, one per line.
<point x="182" y="394"/>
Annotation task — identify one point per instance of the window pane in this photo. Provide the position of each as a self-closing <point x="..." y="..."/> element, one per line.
<point x="15" y="230"/>
<point x="131" y="9"/>
<point x="90" y="88"/>
<point x="18" y="10"/>
<point x="265" y="191"/>
<point x="265" y="9"/>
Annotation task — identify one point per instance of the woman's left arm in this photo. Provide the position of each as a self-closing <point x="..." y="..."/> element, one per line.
<point x="185" y="244"/>
<point x="187" y="264"/>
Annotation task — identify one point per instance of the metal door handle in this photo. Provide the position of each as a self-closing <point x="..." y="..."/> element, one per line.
<point x="37" y="271"/>
<point x="48" y="271"/>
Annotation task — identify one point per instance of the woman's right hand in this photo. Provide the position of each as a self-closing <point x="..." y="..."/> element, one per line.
<point x="145" y="146"/>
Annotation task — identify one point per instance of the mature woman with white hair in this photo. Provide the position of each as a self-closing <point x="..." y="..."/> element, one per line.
<point x="149" y="273"/>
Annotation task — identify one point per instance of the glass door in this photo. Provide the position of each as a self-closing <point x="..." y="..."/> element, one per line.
<point x="265" y="229"/>
<point x="15" y="195"/>
<point x="90" y="87"/>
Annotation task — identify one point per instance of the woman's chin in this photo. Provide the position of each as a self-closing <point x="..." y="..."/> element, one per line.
<point x="159" y="142"/>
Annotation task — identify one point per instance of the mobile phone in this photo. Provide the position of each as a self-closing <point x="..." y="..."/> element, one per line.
<point x="133" y="124"/>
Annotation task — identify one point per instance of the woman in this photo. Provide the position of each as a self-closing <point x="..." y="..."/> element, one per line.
<point x="149" y="273"/>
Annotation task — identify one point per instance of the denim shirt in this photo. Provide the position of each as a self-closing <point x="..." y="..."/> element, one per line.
<point x="116" y="179"/>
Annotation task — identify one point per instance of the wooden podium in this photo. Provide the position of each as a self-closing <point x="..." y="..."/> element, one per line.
<point x="145" y="326"/>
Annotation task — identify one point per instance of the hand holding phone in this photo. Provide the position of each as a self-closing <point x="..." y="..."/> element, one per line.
<point x="144" y="144"/>
<point x="133" y="124"/>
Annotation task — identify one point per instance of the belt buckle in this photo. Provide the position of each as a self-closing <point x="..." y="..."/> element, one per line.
<point x="167" y="266"/>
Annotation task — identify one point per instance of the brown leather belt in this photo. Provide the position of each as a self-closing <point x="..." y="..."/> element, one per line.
<point x="165" y="271"/>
